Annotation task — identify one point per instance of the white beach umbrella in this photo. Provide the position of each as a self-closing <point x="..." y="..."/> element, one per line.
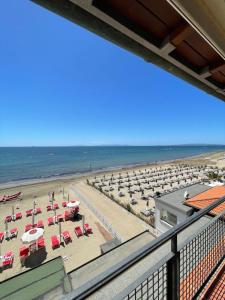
<point x="73" y="204"/>
<point x="32" y="235"/>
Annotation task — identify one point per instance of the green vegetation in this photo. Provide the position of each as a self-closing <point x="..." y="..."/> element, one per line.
<point x="214" y="176"/>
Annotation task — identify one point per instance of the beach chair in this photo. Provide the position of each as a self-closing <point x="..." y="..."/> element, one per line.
<point x="2" y="236"/>
<point x="8" y="218"/>
<point x="50" y="221"/>
<point x="49" y="207"/>
<point x="64" y="204"/>
<point x="13" y="232"/>
<point x="60" y="218"/>
<point x="87" y="228"/>
<point x="56" y="206"/>
<point x="29" y="212"/>
<point x="23" y="254"/>
<point x="78" y="231"/>
<point x="18" y="215"/>
<point x="41" y="243"/>
<point x="7" y="260"/>
<point x="67" y="215"/>
<point x="66" y="236"/>
<point x="55" y="242"/>
<point x="38" y="210"/>
<point x="28" y="227"/>
<point x="40" y="224"/>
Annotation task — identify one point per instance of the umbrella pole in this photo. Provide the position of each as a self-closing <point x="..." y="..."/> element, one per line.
<point x="13" y="213"/>
<point x="60" y="233"/>
<point x="6" y="229"/>
<point x="83" y="221"/>
<point x="54" y="215"/>
<point x="33" y="219"/>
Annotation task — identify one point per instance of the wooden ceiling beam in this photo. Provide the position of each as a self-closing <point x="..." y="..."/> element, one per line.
<point x="217" y="67"/>
<point x="180" y="33"/>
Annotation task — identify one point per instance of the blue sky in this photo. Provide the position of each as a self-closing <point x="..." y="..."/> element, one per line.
<point x="62" y="85"/>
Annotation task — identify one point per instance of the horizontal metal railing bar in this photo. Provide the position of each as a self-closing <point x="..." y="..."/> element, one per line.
<point x="142" y="278"/>
<point x="183" y="244"/>
<point x="147" y="249"/>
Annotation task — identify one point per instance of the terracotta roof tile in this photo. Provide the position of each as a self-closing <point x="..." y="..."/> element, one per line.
<point x="208" y="197"/>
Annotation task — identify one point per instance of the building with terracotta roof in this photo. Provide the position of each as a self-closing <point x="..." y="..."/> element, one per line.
<point x="206" y="198"/>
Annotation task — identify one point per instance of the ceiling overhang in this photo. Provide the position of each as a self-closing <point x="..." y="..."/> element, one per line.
<point x="166" y="34"/>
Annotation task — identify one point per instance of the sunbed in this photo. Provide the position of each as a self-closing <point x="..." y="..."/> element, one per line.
<point x="28" y="227"/>
<point x="50" y="221"/>
<point x="78" y="231"/>
<point x="41" y="243"/>
<point x="66" y="236"/>
<point x="18" y="215"/>
<point x="55" y="242"/>
<point x="13" y="232"/>
<point x="40" y="224"/>
<point x="29" y="212"/>
<point x="87" y="228"/>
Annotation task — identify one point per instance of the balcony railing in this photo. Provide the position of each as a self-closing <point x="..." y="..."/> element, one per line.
<point x="181" y="274"/>
<point x="177" y="265"/>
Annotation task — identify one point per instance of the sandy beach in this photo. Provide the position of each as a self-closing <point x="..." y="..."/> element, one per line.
<point x="107" y="218"/>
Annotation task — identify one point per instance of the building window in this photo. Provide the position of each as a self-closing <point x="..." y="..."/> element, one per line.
<point x="168" y="217"/>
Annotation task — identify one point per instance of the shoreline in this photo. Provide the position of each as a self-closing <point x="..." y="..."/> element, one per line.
<point x="79" y="175"/>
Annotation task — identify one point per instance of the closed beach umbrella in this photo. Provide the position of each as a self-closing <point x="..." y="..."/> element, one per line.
<point x="60" y="232"/>
<point x="13" y="213"/>
<point x="34" y="204"/>
<point x="54" y="215"/>
<point x="68" y="198"/>
<point x="33" y="218"/>
<point x="6" y="229"/>
<point x="83" y="221"/>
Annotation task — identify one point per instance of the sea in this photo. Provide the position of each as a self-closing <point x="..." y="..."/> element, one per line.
<point x="24" y="163"/>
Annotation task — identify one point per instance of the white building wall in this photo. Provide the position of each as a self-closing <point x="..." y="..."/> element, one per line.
<point x="161" y="225"/>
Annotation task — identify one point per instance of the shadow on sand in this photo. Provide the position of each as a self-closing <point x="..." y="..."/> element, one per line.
<point x="35" y="259"/>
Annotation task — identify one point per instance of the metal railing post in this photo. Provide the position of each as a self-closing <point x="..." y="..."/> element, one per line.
<point x="173" y="272"/>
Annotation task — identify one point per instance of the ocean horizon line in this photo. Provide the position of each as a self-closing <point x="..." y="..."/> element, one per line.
<point x="116" y="145"/>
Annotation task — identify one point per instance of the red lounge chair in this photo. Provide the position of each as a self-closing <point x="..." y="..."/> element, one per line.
<point x="67" y="215"/>
<point x="56" y="206"/>
<point x="78" y="231"/>
<point x="8" y="218"/>
<point x="49" y="207"/>
<point x="66" y="236"/>
<point x="41" y="243"/>
<point x="29" y="212"/>
<point x="60" y="218"/>
<point x="87" y="229"/>
<point x="8" y="260"/>
<point x="28" y="227"/>
<point x="23" y="253"/>
<point x="38" y="210"/>
<point x="50" y="221"/>
<point x="64" y="204"/>
<point x="40" y="224"/>
<point x="2" y="236"/>
<point x="55" y="242"/>
<point x="14" y="232"/>
<point x="18" y="215"/>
